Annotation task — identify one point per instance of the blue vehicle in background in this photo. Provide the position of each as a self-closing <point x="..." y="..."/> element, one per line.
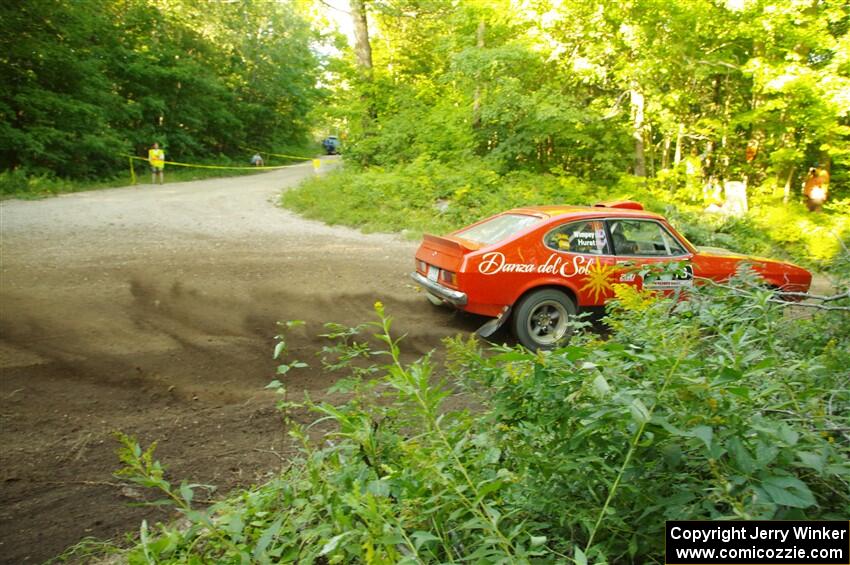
<point x="331" y="144"/>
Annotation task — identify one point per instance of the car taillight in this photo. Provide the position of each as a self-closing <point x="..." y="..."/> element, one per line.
<point x="448" y="276"/>
<point x="421" y="266"/>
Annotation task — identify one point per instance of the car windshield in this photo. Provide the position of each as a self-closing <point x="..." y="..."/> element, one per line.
<point x="498" y="228"/>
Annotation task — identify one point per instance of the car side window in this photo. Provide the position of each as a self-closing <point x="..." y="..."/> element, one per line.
<point x="643" y="238"/>
<point x="587" y="237"/>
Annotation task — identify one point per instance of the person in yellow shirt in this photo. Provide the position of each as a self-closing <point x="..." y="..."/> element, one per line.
<point x="156" y="158"/>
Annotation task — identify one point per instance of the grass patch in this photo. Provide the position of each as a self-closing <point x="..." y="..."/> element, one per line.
<point x="429" y="196"/>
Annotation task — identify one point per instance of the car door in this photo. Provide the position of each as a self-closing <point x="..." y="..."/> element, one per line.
<point x="582" y="257"/>
<point x="638" y="242"/>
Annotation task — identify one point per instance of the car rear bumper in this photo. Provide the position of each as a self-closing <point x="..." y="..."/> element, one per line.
<point x="451" y="296"/>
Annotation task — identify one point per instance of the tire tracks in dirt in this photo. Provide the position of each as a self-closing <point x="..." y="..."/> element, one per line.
<point x="153" y="310"/>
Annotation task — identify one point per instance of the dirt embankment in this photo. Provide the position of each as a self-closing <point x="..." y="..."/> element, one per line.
<point x="153" y="310"/>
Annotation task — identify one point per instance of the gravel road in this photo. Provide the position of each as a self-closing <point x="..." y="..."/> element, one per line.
<point x="152" y="310"/>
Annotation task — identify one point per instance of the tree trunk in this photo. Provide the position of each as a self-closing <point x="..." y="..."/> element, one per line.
<point x="786" y="193"/>
<point x="665" y="156"/>
<point x="363" y="53"/>
<point x="651" y="151"/>
<point x="476" y="101"/>
<point x="677" y="157"/>
<point x="362" y="47"/>
<point x="637" y="100"/>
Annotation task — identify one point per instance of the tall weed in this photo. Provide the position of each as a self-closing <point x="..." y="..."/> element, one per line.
<point x="715" y="407"/>
<point x="710" y="408"/>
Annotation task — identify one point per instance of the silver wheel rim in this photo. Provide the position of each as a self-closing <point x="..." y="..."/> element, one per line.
<point x="547" y="322"/>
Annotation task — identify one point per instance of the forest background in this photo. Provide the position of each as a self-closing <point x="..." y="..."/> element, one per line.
<point x="86" y="82"/>
<point x="450" y="111"/>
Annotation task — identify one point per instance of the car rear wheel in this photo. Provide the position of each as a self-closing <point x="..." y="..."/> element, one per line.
<point x="541" y="319"/>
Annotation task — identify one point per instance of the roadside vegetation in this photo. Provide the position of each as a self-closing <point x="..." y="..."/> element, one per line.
<point x="19" y="184"/>
<point x="86" y="83"/>
<point x="454" y="113"/>
<point x="713" y="407"/>
<point x="427" y="196"/>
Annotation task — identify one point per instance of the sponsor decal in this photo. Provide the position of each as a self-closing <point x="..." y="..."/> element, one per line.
<point x="664" y="285"/>
<point x="494" y="263"/>
<point x="585" y="239"/>
<point x="598" y="276"/>
<point x="670" y="281"/>
<point x="598" y="282"/>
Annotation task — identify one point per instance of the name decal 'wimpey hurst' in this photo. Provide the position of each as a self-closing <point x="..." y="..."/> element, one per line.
<point x="494" y="263"/>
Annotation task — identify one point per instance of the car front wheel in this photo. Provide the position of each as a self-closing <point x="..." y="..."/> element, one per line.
<point x="541" y="319"/>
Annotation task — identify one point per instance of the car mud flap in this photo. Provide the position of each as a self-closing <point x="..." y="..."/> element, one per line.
<point x="490" y="327"/>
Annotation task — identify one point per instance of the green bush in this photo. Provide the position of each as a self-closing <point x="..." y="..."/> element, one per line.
<point x="725" y="410"/>
<point x="18" y="183"/>
<point x="427" y="195"/>
<point x="718" y="407"/>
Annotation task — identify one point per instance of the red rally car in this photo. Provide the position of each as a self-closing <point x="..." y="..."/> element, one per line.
<point x="538" y="266"/>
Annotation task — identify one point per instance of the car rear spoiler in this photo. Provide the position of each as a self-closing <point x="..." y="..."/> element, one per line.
<point x="625" y="204"/>
<point x="447" y="245"/>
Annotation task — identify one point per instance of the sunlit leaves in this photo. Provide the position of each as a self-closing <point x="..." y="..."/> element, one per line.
<point x="87" y="81"/>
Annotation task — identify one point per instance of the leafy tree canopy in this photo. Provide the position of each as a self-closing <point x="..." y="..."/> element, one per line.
<point x="86" y="80"/>
<point x="595" y="90"/>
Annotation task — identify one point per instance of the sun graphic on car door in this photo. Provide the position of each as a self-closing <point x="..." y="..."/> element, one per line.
<point x="598" y="280"/>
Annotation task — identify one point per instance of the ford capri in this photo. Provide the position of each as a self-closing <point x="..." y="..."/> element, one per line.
<point x="537" y="267"/>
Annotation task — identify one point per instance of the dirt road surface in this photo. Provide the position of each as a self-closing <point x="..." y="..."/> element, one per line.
<point x="152" y="310"/>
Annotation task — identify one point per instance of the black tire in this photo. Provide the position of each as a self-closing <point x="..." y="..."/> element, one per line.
<point x="541" y="319"/>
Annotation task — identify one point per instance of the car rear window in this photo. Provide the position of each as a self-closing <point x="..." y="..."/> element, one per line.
<point x="498" y="228"/>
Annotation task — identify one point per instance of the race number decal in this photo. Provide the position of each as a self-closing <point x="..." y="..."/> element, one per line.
<point x="670" y="281"/>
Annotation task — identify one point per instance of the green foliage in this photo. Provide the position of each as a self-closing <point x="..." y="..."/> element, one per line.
<point x="720" y="411"/>
<point x="427" y="195"/>
<point x="90" y="80"/>
<point x="142" y="469"/>
<point x="88" y="549"/>
<point x="401" y="481"/>
<point x="592" y="89"/>
<point x="17" y="183"/>
<point x="717" y="407"/>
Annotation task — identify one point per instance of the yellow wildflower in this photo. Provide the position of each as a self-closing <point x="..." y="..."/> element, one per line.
<point x="632" y="299"/>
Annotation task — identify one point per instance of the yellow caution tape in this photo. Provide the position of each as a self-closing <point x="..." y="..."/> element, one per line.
<point x="278" y="154"/>
<point x="251" y="168"/>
